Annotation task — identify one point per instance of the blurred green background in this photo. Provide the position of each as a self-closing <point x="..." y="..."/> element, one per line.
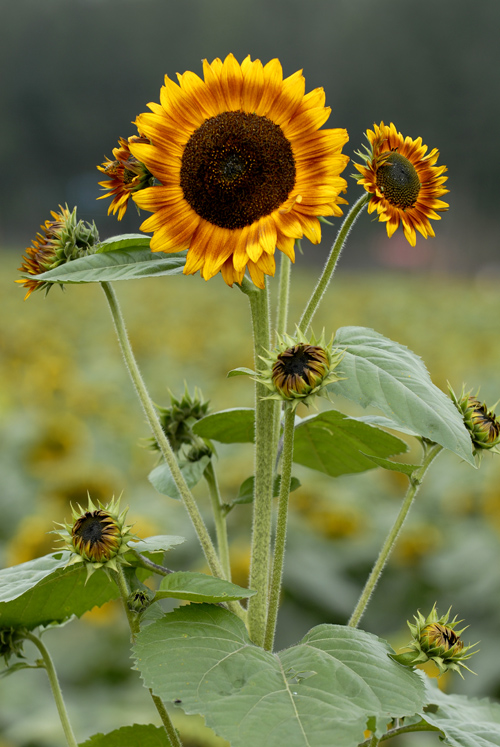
<point x="75" y="73"/>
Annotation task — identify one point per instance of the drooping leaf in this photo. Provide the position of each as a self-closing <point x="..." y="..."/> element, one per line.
<point x="130" y="263"/>
<point x="246" y="491"/>
<point x="464" y="722"/>
<point x="198" y="587"/>
<point x="228" y="426"/>
<point x="240" y="371"/>
<point x="387" y="375"/>
<point x="333" y="443"/>
<point x="161" y="477"/>
<point x="138" y="735"/>
<point x="318" y="693"/>
<point x="43" y="591"/>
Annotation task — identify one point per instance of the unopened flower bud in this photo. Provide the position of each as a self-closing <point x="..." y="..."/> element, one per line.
<point x="482" y="424"/>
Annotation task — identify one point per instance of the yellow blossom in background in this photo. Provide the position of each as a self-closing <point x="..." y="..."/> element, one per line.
<point x="243" y="167"/>
<point x="404" y="182"/>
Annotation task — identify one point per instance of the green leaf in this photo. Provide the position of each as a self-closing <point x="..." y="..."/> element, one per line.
<point x="138" y="735"/>
<point x="43" y="591"/>
<point x="161" y="477"/>
<point x="241" y="371"/>
<point x="404" y="468"/>
<point x="129" y="241"/>
<point x="318" y="693"/>
<point x="198" y="587"/>
<point x="246" y="491"/>
<point x="337" y="445"/>
<point x="228" y="426"/>
<point x="160" y="542"/>
<point x="109" y="265"/>
<point x="387" y="375"/>
<point x="464" y="722"/>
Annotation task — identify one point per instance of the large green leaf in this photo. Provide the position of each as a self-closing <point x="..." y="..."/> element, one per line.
<point x="387" y="375"/>
<point x="337" y="445"/>
<point x="161" y="477"/>
<point x="318" y="693"/>
<point x="138" y="735"/>
<point x="228" y="426"/>
<point x="129" y="263"/>
<point x="43" y="591"/>
<point x="198" y="587"/>
<point x="159" y="542"/>
<point x="129" y="241"/>
<point x="464" y="722"/>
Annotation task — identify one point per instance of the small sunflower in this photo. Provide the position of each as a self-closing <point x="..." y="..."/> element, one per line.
<point x="63" y="239"/>
<point x="126" y="176"/>
<point x="242" y="167"/>
<point x="482" y="423"/>
<point x="98" y="536"/>
<point x="405" y="184"/>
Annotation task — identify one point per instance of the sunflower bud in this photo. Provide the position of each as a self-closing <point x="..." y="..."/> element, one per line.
<point x="177" y="422"/>
<point x="126" y="175"/>
<point x="98" y="536"/>
<point x="63" y="239"/>
<point x="434" y="639"/>
<point x="299" y="369"/>
<point x="11" y="643"/>
<point x="139" y="600"/>
<point x="482" y="424"/>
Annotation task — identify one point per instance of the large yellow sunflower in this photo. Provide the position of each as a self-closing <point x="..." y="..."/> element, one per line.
<point x="242" y="165"/>
<point x="405" y="184"/>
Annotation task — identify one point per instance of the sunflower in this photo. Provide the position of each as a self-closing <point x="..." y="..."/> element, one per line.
<point x="242" y="165"/>
<point x="62" y="239"/>
<point x="405" y="184"/>
<point x="127" y="175"/>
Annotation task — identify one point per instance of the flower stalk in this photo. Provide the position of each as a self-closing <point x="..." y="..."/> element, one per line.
<point x="331" y="263"/>
<point x="219" y="519"/>
<point x="264" y="470"/>
<point x="281" y="526"/>
<point x="430" y="453"/>
<point x="162" y="441"/>
<point x="56" y="689"/>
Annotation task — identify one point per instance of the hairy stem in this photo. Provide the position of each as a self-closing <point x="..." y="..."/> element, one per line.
<point x="415" y="481"/>
<point x="331" y="263"/>
<point x="220" y="520"/>
<point x="133" y="621"/>
<point x="281" y="527"/>
<point x="56" y="690"/>
<point x="264" y="466"/>
<point x="161" y="439"/>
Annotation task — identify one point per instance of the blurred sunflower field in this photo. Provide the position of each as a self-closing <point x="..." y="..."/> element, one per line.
<point x="71" y="424"/>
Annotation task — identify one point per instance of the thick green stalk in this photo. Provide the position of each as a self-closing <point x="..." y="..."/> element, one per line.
<point x="161" y="439"/>
<point x="415" y="481"/>
<point x="133" y="621"/>
<point x="283" y="294"/>
<point x="56" y="690"/>
<point x="264" y="466"/>
<point x="331" y="263"/>
<point x="220" y="520"/>
<point x="281" y="526"/>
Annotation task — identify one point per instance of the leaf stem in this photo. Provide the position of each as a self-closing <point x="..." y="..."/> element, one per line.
<point x="331" y="262"/>
<point x="281" y="526"/>
<point x="161" y="439"/>
<point x="56" y="690"/>
<point x="265" y="419"/>
<point x="134" y="625"/>
<point x="430" y="453"/>
<point x="219" y="518"/>
<point x="421" y="726"/>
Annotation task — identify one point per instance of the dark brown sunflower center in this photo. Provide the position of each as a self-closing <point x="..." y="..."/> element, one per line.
<point x="237" y="168"/>
<point x="91" y="528"/>
<point x="397" y="178"/>
<point x="300" y="368"/>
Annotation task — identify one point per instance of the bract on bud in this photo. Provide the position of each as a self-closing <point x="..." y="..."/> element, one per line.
<point x="482" y="424"/>
<point x="177" y="422"/>
<point x="98" y="536"/>
<point x="299" y="369"/>
<point x="11" y="643"/>
<point x="63" y="239"/>
<point x="435" y="639"/>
